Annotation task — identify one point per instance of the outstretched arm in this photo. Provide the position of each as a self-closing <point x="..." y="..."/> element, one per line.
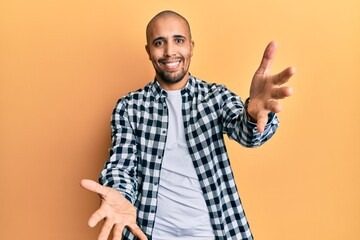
<point x="117" y="211"/>
<point x="266" y="89"/>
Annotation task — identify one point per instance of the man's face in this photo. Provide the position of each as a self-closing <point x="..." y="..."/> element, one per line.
<point x="170" y="50"/>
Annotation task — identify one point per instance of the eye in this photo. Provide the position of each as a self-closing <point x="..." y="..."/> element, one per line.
<point x="159" y="42"/>
<point x="179" y="40"/>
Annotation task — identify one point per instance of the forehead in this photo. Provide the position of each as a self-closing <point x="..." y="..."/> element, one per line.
<point x="167" y="26"/>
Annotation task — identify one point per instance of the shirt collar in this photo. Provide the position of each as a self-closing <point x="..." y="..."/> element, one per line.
<point x="189" y="88"/>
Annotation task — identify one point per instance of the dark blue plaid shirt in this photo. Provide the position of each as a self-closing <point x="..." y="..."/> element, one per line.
<point x="139" y="129"/>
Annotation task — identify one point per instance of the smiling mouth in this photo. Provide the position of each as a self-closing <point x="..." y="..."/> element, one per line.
<point x="173" y="65"/>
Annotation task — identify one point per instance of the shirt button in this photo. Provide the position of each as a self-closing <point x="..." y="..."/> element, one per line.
<point x="163" y="132"/>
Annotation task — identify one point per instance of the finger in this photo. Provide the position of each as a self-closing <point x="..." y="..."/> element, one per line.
<point x="262" y="119"/>
<point x="94" y="187"/>
<point x="283" y="76"/>
<point x="105" y="230"/>
<point x="267" y="59"/>
<point x="280" y="93"/>
<point x="96" y="217"/>
<point x="273" y="106"/>
<point x="135" y="229"/>
<point x="118" y="231"/>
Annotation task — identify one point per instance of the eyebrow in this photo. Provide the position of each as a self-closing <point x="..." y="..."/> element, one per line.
<point x="179" y="36"/>
<point x="174" y="36"/>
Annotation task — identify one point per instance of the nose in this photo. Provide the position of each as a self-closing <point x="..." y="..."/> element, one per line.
<point x="169" y="49"/>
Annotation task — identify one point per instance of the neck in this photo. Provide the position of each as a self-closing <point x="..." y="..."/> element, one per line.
<point x="173" y="86"/>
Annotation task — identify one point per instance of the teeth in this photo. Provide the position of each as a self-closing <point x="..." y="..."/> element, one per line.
<point x="172" y="64"/>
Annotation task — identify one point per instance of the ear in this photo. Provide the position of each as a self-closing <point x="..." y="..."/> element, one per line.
<point x="192" y="47"/>
<point x="148" y="51"/>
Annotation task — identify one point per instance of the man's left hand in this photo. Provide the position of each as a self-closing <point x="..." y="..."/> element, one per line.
<point x="266" y="90"/>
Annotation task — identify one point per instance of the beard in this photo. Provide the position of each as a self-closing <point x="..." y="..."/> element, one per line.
<point x="171" y="78"/>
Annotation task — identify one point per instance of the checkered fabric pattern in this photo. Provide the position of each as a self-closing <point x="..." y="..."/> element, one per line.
<point x="139" y="129"/>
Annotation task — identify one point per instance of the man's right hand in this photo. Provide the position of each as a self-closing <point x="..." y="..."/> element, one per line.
<point x="117" y="211"/>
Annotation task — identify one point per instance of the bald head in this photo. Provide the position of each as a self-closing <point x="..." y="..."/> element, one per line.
<point x="163" y="16"/>
<point x="170" y="48"/>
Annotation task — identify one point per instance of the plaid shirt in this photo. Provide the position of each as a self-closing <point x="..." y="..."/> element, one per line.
<point x="139" y="129"/>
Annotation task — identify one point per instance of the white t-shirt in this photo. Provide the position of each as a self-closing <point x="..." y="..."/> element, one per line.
<point x="181" y="210"/>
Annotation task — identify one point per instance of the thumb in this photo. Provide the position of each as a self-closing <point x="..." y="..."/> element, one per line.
<point x="261" y="122"/>
<point x="93" y="186"/>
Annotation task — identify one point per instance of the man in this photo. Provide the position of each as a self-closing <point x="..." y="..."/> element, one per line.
<point x="168" y="175"/>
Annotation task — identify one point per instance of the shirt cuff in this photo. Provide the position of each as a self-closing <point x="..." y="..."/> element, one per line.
<point x="251" y="124"/>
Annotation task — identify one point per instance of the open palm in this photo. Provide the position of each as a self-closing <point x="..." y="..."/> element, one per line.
<point x="117" y="211"/>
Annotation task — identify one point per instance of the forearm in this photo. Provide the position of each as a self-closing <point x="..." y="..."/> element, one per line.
<point x="120" y="170"/>
<point x="241" y="127"/>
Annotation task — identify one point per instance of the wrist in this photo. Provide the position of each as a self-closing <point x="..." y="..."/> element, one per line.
<point x="250" y="118"/>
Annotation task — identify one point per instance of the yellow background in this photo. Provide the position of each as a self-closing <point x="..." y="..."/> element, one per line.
<point x="63" y="65"/>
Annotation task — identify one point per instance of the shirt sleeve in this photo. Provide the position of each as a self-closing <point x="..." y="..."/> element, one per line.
<point x="236" y="124"/>
<point x="120" y="170"/>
